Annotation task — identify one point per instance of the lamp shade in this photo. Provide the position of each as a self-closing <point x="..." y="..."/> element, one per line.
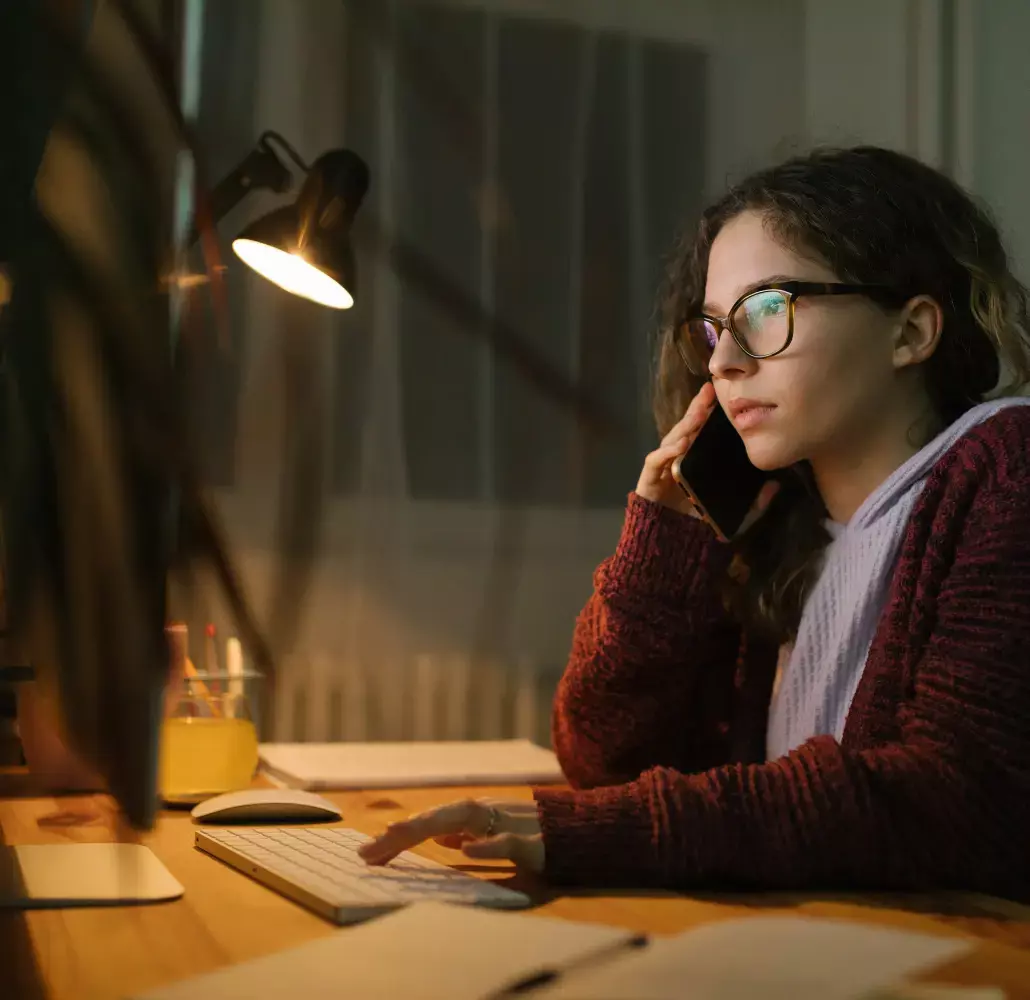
<point x="306" y="248"/>
<point x="323" y="274"/>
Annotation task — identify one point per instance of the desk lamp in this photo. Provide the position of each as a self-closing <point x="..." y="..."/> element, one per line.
<point x="305" y="247"/>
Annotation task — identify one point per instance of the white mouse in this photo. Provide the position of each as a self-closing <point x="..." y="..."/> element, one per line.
<point x="266" y="805"/>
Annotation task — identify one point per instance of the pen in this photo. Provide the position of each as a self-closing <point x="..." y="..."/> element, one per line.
<point x="545" y="977"/>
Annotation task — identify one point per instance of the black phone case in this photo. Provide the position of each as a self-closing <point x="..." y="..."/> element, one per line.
<point x="719" y="476"/>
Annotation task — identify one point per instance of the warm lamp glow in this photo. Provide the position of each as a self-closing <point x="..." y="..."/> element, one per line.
<point x="293" y="273"/>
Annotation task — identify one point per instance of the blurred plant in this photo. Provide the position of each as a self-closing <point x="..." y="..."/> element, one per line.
<point x="103" y="507"/>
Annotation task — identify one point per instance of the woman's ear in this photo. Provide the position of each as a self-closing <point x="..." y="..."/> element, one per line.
<point x="919" y="331"/>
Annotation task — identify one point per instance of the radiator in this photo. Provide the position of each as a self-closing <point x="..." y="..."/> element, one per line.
<point x="429" y="697"/>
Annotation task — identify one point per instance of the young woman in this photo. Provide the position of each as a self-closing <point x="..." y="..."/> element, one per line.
<point x="840" y="696"/>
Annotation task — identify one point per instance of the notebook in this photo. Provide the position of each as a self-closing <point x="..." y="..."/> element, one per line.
<point x="427" y="950"/>
<point x="438" y="951"/>
<point x="407" y="765"/>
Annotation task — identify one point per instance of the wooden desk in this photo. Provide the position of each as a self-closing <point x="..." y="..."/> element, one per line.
<point x="226" y="918"/>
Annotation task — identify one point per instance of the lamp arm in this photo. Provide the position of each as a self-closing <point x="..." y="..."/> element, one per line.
<point x="269" y="136"/>
<point x="261" y="169"/>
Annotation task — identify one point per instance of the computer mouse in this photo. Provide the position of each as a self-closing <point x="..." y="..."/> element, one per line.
<point x="266" y="805"/>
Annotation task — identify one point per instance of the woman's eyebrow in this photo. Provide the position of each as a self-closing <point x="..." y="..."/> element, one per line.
<point x="772" y="279"/>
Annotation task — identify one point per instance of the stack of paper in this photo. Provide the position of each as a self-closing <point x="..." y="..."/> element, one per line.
<point x="408" y="765"/>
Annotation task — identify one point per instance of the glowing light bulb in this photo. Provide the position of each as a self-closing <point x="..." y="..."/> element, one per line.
<point x="290" y="271"/>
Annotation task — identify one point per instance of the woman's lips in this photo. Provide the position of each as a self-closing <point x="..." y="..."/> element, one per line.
<point x="751" y="416"/>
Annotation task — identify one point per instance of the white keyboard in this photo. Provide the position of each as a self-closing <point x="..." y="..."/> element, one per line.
<point x="319" y="867"/>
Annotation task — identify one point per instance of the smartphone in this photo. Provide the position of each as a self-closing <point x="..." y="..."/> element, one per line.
<point x="718" y="477"/>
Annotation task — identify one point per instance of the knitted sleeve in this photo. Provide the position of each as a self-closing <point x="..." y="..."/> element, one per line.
<point x="652" y="644"/>
<point x="932" y="791"/>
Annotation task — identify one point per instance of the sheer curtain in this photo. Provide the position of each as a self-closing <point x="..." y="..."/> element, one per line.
<point x="543" y="166"/>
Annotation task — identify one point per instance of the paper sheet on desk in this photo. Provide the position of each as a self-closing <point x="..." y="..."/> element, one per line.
<point x="776" y="958"/>
<point x="409" y="765"/>
<point x="428" y="951"/>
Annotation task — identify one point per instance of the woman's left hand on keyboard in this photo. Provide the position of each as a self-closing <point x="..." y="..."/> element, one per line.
<point x="480" y="828"/>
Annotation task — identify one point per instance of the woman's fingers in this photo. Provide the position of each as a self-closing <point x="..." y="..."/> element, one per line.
<point x="526" y="852"/>
<point x="455" y="841"/>
<point x="465" y="817"/>
<point x="454" y="825"/>
<point x="661" y="459"/>
<point x="513" y="817"/>
<point x="656" y="481"/>
<point x="697" y="413"/>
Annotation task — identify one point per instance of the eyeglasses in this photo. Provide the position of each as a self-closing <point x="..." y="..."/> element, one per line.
<point x="762" y="321"/>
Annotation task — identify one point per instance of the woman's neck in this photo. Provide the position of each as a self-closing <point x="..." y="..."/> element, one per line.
<point x="851" y="470"/>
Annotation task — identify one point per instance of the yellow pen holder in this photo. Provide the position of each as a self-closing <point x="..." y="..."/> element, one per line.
<point x="209" y="741"/>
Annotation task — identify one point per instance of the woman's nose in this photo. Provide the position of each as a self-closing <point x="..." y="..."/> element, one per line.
<point x="728" y="360"/>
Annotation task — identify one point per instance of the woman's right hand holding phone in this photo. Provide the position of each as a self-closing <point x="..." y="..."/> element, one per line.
<point x="656" y="483"/>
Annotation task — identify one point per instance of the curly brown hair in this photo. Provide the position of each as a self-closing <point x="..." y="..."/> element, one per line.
<point x="877" y="217"/>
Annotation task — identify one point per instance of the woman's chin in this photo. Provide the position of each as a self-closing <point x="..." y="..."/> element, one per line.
<point x="768" y="454"/>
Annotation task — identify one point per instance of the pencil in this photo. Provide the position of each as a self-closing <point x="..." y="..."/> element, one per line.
<point x="200" y="689"/>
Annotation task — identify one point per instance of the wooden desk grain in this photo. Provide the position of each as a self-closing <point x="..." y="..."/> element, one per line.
<point x="226" y="918"/>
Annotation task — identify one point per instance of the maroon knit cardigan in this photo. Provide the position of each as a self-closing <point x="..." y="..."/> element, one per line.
<point x="660" y="718"/>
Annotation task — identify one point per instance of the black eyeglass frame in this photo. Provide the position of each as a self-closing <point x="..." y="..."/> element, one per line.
<point x="883" y="294"/>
